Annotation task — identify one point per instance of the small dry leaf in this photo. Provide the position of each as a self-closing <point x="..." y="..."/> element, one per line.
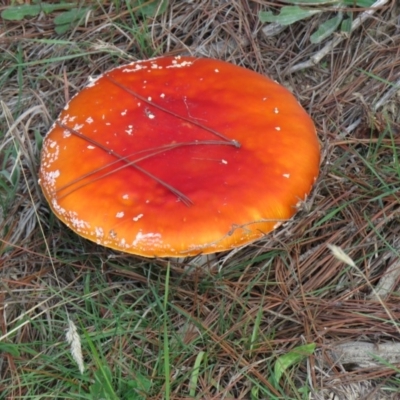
<point x="341" y="255"/>
<point x="74" y="341"/>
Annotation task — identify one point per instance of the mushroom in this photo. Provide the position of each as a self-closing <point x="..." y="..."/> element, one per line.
<point x="179" y="156"/>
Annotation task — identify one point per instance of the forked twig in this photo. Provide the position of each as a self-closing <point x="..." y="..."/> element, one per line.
<point x="158" y="150"/>
<point x="133" y="163"/>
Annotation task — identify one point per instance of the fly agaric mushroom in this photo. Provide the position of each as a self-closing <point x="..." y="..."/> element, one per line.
<point x="179" y="156"/>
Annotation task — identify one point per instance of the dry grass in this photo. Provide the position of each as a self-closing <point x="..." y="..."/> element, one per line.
<point x="207" y="333"/>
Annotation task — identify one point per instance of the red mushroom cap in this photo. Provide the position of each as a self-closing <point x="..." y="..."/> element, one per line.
<point x="178" y="156"/>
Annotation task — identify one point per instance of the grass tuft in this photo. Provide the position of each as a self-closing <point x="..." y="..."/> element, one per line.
<point x="74" y="340"/>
